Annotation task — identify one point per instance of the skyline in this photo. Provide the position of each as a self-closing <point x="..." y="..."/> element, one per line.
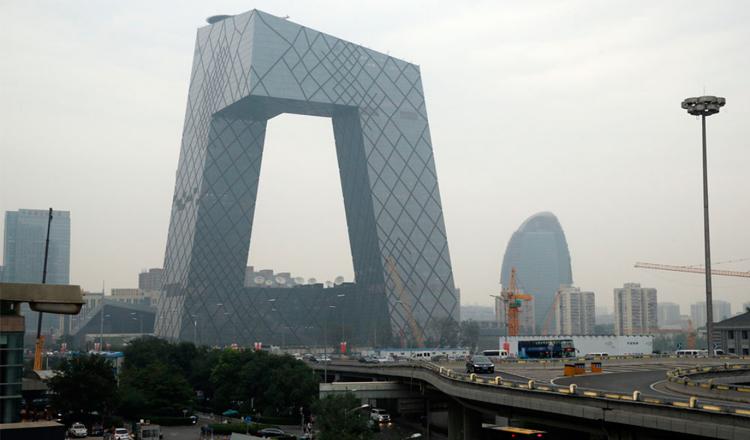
<point x="616" y="176"/>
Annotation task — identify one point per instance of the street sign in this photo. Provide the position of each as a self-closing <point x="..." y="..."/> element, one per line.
<point x="248" y="420"/>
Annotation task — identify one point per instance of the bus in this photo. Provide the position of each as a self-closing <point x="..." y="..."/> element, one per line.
<point x="546" y="349"/>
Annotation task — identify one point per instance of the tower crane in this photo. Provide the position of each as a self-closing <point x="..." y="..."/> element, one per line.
<point x="513" y="300"/>
<point x="692" y="269"/>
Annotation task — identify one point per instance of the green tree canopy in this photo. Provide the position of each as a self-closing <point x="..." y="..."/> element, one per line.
<point x="339" y="418"/>
<point x="83" y="385"/>
<point x="271" y="384"/>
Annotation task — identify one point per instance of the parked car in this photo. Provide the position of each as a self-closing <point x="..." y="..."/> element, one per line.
<point x="78" y="430"/>
<point x="380" y="415"/>
<point x="122" y="434"/>
<point x="480" y="364"/>
<point x="274" y="433"/>
<point x="384" y="359"/>
<point x="96" y="431"/>
<point x="324" y="358"/>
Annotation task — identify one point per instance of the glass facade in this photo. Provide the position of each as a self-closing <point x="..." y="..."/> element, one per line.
<point x="247" y="69"/>
<point x="23" y="254"/>
<point x="539" y="252"/>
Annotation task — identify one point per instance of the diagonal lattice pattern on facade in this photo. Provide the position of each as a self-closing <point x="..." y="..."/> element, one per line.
<point x="247" y="69"/>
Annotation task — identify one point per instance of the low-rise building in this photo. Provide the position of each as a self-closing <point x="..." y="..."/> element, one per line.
<point x="734" y="334"/>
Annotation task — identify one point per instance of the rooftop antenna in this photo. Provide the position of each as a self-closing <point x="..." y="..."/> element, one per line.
<point x="339" y="280"/>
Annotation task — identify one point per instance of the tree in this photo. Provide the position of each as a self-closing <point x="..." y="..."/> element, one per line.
<point x="83" y="385"/>
<point x="445" y="331"/>
<point x="274" y="385"/>
<point x="154" y="390"/>
<point x="338" y="417"/>
<point x="154" y="377"/>
<point x="469" y="334"/>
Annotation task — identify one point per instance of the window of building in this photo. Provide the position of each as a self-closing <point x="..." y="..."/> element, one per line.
<point x="744" y="334"/>
<point x="731" y="350"/>
<point x="745" y="351"/>
<point x="730" y="334"/>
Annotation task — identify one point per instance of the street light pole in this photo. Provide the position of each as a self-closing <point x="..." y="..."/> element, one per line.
<point x="706" y="106"/>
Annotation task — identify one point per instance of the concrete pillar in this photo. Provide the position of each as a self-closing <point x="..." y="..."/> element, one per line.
<point x="472" y="424"/>
<point x="463" y="423"/>
<point x="455" y="421"/>
<point x="427" y="419"/>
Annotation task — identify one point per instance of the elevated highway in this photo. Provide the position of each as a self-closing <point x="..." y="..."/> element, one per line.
<point x="606" y="406"/>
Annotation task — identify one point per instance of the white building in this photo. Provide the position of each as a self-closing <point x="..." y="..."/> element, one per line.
<point x="575" y="313"/>
<point x="635" y="309"/>
<point x="668" y="314"/>
<point x="722" y="311"/>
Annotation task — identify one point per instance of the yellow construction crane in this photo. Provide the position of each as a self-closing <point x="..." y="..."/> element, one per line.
<point x="398" y="285"/>
<point x="692" y="269"/>
<point x="513" y="300"/>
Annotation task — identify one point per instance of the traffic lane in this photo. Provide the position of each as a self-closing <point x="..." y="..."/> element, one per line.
<point x="649" y="383"/>
<point x="504" y="374"/>
<point x="623" y="383"/>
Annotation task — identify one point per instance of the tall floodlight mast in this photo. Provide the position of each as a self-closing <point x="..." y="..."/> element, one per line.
<point x="706" y="106"/>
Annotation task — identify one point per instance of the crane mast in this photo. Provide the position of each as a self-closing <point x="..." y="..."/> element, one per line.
<point x="513" y="300"/>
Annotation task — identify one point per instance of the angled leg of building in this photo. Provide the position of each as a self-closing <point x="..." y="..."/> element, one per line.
<point x="248" y="69"/>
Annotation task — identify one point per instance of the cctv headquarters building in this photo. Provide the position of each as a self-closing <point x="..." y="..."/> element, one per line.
<point x="247" y="69"/>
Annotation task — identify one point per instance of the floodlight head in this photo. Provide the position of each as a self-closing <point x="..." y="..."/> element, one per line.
<point x="703" y="105"/>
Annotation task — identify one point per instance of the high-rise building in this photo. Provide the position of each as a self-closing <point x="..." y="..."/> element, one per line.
<point x="575" y="313"/>
<point x="1" y="273"/>
<point x="150" y="280"/>
<point x="539" y="252"/>
<point x="722" y="311"/>
<point x="668" y="314"/>
<point x="23" y="253"/>
<point x="247" y="69"/>
<point x="635" y="309"/>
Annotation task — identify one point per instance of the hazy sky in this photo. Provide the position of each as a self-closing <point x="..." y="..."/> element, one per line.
<point x="564" y="106"/>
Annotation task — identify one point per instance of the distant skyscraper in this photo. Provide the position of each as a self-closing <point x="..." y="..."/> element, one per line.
<point x="635" y="309"/>
<point x="150" y="281"/>
<point x="23" y="251"/>
<point x="575" y="313"/>
<point x="477" y="313"/>
<point x="668" y="314"/>
<point x="722" y="310"/>
<point x="539" y="253"/>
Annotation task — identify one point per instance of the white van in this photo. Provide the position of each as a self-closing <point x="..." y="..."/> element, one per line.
<point x="495" y="354"/>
